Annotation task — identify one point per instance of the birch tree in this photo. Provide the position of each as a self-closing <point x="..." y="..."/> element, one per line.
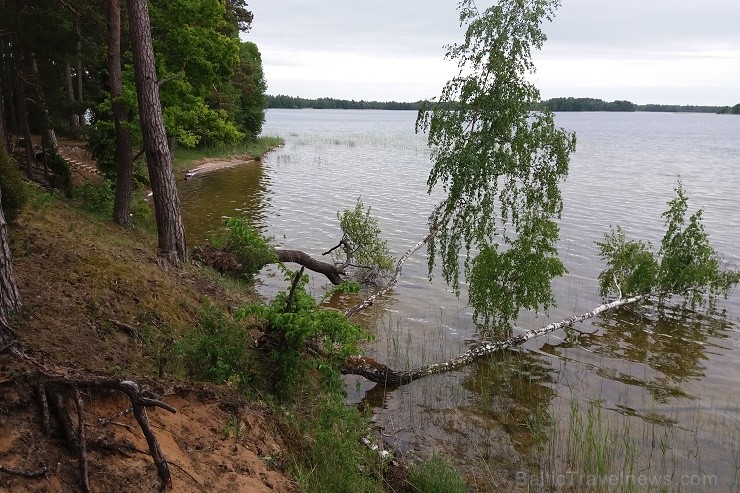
<point x="499" y="165"/>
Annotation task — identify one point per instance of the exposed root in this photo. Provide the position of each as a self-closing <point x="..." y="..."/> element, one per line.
<point x="55" y="386"/>
<point x="25" y="474"/>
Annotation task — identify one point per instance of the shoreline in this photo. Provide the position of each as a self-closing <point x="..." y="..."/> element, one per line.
<point x="208" y="165"/>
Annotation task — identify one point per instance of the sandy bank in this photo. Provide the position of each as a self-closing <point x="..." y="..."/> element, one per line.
<point x="208" y="165"/>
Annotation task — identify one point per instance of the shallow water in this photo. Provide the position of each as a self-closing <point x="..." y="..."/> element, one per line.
<point x="665" y="381"/>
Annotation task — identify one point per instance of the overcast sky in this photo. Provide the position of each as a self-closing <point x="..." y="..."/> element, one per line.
<point x="645" y="51"/>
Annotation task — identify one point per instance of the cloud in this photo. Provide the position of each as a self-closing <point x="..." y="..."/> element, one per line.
<point x="597" y="48"/>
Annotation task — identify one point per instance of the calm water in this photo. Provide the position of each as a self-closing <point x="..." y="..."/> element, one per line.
<point x="664" y="382"/>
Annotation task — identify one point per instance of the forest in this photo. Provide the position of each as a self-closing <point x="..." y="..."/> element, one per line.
<point x="553" y="104"/>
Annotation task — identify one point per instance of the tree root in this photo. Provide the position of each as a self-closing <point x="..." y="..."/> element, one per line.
<point x="55" y="386"/>
<point x="25" y="474"/>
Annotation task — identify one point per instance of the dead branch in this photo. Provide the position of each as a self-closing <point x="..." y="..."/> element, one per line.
<point x="125" y="328"/>
<point x="81" y="440"/>
<point x="293" y="286"/>
<point x="52" y="381"/>
<point x="380" y="373"/>
<point x="396" y="276"/>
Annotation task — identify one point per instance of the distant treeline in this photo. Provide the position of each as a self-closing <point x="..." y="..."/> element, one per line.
<point x="555" y="104"/>
<point x="591" y="104"/>
<point x="290" y="102"/>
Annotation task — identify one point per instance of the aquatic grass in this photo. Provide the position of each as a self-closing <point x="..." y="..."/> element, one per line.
<point x="436" y="476"/>
<point x="594" y="449"/>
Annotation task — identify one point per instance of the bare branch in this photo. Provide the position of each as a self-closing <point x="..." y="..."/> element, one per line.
<point x="399" y="267"/>
<point x="25" y="474"/>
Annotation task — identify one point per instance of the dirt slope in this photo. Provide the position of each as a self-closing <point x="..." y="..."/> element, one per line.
<point x="77" y="275"/>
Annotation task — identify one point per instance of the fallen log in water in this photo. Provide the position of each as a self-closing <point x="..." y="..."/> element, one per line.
<point x="381" y="373"/>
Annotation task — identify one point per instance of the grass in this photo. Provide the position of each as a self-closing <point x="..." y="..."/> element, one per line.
<point x="184" y="157"/>
<point x="597" y="451"/>
<point x="436" y="476"/>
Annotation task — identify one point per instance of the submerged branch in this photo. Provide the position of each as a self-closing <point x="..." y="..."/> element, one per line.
<point x="379" y="373"/>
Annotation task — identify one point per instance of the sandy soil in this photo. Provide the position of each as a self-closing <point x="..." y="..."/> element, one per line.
<point x="199" y="442"/>
<point x="207" y="165"/>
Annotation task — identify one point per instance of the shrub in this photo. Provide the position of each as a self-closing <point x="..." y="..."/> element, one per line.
<point x="97" y="200"/>
<point x="293" y="322"/>
<point x="217" y="350"/>
<point x="61" y="176"/>
<point x="246" y="244"/>
<point x="12" y="188"/>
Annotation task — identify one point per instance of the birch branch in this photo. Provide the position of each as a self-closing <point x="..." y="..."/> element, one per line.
<point x="396" y="276"/>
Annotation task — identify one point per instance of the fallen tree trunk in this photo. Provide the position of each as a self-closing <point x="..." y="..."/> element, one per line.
<point x="331" y="271"/>
<point x="227" y="263"/>
<point x="379" y="373"/>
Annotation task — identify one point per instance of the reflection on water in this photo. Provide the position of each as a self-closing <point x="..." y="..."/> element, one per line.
<point x="208" y="199"/>
<point x="656" y="387"/>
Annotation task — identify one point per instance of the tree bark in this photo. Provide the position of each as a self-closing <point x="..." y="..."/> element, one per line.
<point x="379" y="373"/>
<point x="50" y="137"/>
<point x="8" y="90"/>
<point x="22" y="111"/>
<point x="170" y="229"/>
<point x="79" y="71"/>
<point x="74" y="118"/>
<point x="4" y="137"/>
<point x="124" y="153"/>
<point x="10" y="299"/>
<point x="396" y="276"/>
<point x="331" y="271"/>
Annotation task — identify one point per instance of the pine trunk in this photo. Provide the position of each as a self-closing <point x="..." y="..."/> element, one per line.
<point x="159" y="160"/>
<point x="7" y="75"/>
<point x="21" y="107"/>
<point x="10" y="299"/>
<point x="124" y="154"/>
<point x="79" y="71"/>
<point x="74" y="119"/>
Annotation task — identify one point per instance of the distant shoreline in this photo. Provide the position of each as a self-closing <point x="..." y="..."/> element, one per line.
<point x="555" y="104"/>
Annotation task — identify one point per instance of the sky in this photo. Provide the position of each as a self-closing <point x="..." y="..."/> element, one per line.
<point x="644" y="51"/>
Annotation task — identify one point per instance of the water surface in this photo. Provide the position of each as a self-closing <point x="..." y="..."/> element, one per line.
<point x="666" y="379"/>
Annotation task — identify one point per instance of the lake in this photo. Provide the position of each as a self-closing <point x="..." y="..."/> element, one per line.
<point x="639" y="396"/>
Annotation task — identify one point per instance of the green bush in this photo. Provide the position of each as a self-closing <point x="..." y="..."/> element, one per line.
<point x="97" y="199"/>
<point x="246" y="244"/>
<point x="61" y="176"/>
<point x="102" y="146"/>
<point x="12" y="188"/>
<point x="334" y="458"/>
<point x="217" y="350"/>
<point x="295" y="321"/>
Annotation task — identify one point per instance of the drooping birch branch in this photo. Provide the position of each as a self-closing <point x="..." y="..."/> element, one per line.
<point x="380" y="373"/>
